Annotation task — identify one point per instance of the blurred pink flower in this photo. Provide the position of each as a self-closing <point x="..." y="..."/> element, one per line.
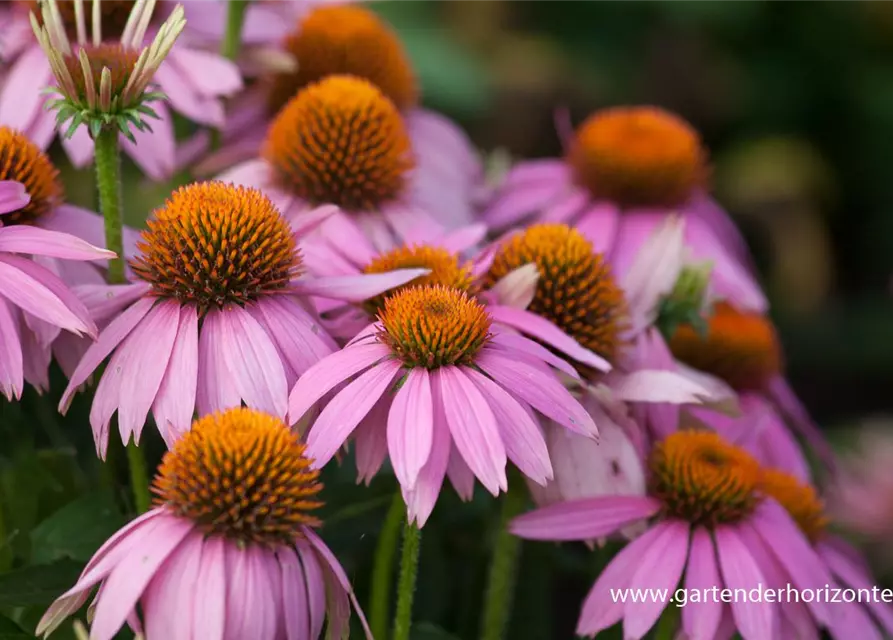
<point x="218" y="557"/>
<point x="218" y="314"/>
<point x="625" y="169"/>
<point x="442" y="391"/>
<point x="195" y="81"/>
<point x="712" y="525"/>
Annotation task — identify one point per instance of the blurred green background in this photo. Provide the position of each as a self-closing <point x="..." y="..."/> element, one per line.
<point x="795" y="101"/>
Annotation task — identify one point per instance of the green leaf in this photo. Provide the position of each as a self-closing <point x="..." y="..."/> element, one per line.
<point x="38" y="584"/>
<point x="76" y="530"/>
<point x="9" y="630"/>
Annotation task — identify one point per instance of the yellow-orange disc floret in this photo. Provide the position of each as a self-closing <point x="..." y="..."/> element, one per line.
<point x="741" y="348"/>
<point x="575" y="290"/>
<point x="444" y="265"/>
<point x="432" y="326"/>
<point x="340" y="141"/>
<point x="119" y="61"/>
<point x="113" y="14"/>
<point x="638" y="157"/>
<point x="346" y="39"/>
<point x="241" y="474"/>
<point x="799" y="499"/>
<point x="702" y="479"/>
<point x="23" y="161"/>
<point x="213" y="244"/>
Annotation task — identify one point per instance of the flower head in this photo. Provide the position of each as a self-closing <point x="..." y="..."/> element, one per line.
<point x="435" y="376"/>
<point x="798" y="498"/>
<point x="340" y="141"/>
<point x="103" y="84"/>
<point x="638" y="157"/>
<point x="346" y="39"/>
<point x="228" y="545"/>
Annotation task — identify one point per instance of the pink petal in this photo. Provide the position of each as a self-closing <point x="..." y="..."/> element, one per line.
<point x="127" y="581"/>
<point x="341" y="416"/>
<point x="209" y="73"/>
<point x="420" y="501"/>
<point x="651" y="385"/>
<point x="175" y="401"/>
<point x="13" y="196"/>
<point x="464" y="238"/>
<point x="168" y="603"/>
<point x="316" y="585"/>
<point x="22" y="97"/>
<point x="602" y="609"/>
<point x="853" y="573"/>
<point x="660" y="569"/>
<point x="461" y="477"/>
<point x="473" y="427"/>
<point x="37" y="241"/>
<point x="565" y="209"/>
<point x="517" y="288"/>
<point x="522" y="202"/>
<point x="154" y="150"/>
<point x="584" y="519"/>
<point x="755" y="620"/>
<point x="410" y="427"/>
<point x="294" y="595"/>
<point x="700" y="620"/>
<point x="300" y="338"/>
<point x="599" y="224"/>
<point x="184" y="98"/>
<point x="12" y="378"/>
<point x="521" y="436"/>
<point x="514" y="345"/>
<point x="538" y="389"/>
<point x="216" y="388"/>
<point x="371" y="440"/>
<point x="209" y="613"/>
<point x="109" y="339"/>
<point x="328" y="373"/>
<point x="356" y="288"/>
<point x="546" y="331"/>
<point x="343" y="235"/>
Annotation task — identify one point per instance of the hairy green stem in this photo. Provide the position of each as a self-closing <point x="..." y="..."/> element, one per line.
<point x="108" y="183"/>
<point x="139" y="478"/>
<point x="409" y="566"/>
<point x="383" y="568"/>
<point x="500" y="592"/>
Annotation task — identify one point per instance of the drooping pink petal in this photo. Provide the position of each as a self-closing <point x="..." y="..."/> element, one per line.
<point x="184" y="99"/>
<point x="371" y="440"/>
<point x="22" y="97"/>
<point x="852" y="573"/>
<point x="652" y="385"/>
<point x="315" y="581"/>
<point x="420" y="501"/>
<point x="209" y="612"/>
<point x="565" y="209"/>
<point x="13" y="196"/>
<point x="262" y="602"/>
<point x="294" y="595"/>
<point x="356" y="288"/>
<point x="660" y="569"/>
<point x="600" y="224"/>
<point x="253" y="362"/>
<point x="209" y="73"/>
<point x="410" y="427"/>
<point x="521" y="436"/>
<point x="328" y="373"/>
<point x="473" y="427"/>
<point x="461" y="477"/>
<point x="128" y="580"/>
<point x="108" y="340"/>
<point x="603" y="607"/>
<point x="168" y="603"/>
<point x="514" y="345"/>
<point x="240" y="593"/>
<point x="538" y="389"/>
<point x="42" y="242"/>
<point x="700" y="619"/>
<point x="104" y="301"/>
<point x="463" y="238"/>
<point x="755" y="620"/>
<point x="154" y="151"/>
<point x="546" y="331"/>
<point x="345" y="237"/>
<point x="216" y="388"/>
<point x="341" y="416"/>
<point x="174" y="403"/>
<point x="313" y="218"/>
<point x="516" y="205"/>
<point x="11" y="363"/>
<point x="584" y="519"/>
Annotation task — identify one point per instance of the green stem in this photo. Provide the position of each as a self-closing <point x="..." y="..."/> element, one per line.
<point x="409" y="566"/>
<point x="139" y="478"/>
<point x="232" y="37"/>
<point x="503" y="565"/>
<point x="108" y="183"/>
<point x="383" y="568"/>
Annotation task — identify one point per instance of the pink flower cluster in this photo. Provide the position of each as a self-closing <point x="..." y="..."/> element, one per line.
<point x="593" y="320"/>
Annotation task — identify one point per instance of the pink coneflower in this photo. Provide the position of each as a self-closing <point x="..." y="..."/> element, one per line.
<point x="867" y="619"/>
<point x="217" y="316"/>
<point x="441" y="390"/>
<point x="227" y="552"/>
<point x="625" y="169"/>
<point x="704" y="495"/>
<point x="345" y="39"/>
<point x="194" y="80"/>
<point x="742" y="348"/>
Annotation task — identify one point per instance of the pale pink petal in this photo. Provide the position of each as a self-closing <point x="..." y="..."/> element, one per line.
<point x="153" y="150"/>
<point x="538" y="389"/>
<point x="328" y="373"/>
<point x="517" y="288"/>
<point x="651" y="385"/>
<point x="356" y="288"/>
<point x="565" y="209"/>
<point x="546" y="331"/>
<point x="755" y="620"/>
<point x="700" y="620"/>
<point x="216" y="388"/>
<point x="25" y="239"/>
<point x="104" y="301"/>
<point x="240" y="594"/>
<point x="209" y="73"/>
<point x="254" y="173"/>
<point x="184" y="96"/>
<point x="79" y="147"/>
<point x="294" y="595"/>
<point x="168" y="603"/>
<point x="464" y="238"/>
<point x="521" y="436"/>
<point x="600" y="224"/>
<point x="514" y="345"/>
<point x="473" y="428"/>
<point x="127" y="581"/>
<point x="12" y="196"/>
<point x="420" y="501"/>
<point x="343" y="235"/>
<point x="209" y="613"/>
<point x="22" y="97"/>
<point x="371" y="440"/>
<point x="108" y="340"/>
<point x="583" y="519"/>
<point x="174" y="403"/>
<point x="461" y="477"/>
<point x="540" y="171"/>
<point x="410" y="427"/>
<point x="341" y="416"/>
<point x="852" y="572"/>
<point x="11" y="364"/>
<point x="602" y="609"/>
<point x="522" y="202"/>
<point x="316" y="585"/>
